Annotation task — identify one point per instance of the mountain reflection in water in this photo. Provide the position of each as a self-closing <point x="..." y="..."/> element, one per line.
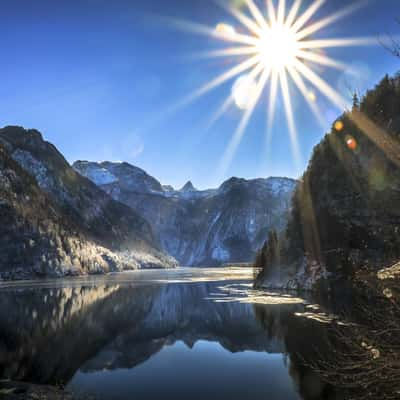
<point x="134" y="336"/>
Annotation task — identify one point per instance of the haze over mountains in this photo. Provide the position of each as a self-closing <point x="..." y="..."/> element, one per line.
<point x="199" y="227"/>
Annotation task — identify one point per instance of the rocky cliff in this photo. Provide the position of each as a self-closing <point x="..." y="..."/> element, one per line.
<point x="55" y="222"/>
<point x="199" y="227"/>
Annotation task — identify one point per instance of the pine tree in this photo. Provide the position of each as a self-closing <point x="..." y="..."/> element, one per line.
<point x="356" y="102"/>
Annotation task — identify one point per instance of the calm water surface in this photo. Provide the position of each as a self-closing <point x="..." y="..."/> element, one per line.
<point x="187" y="333"/>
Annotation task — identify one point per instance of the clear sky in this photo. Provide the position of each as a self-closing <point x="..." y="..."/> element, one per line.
<point x="97" y="77"/>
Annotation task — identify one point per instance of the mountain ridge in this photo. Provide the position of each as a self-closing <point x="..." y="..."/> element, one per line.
<point x="200" y="227"/>
<point x="93" y="171"/>
<point x="83" y="230"/>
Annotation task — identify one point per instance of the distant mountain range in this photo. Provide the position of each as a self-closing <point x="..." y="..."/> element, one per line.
<point x="99" y="217"/>
<point x="199" y="227"/>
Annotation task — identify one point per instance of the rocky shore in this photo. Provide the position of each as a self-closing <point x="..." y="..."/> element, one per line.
<point x="11" y="390"/>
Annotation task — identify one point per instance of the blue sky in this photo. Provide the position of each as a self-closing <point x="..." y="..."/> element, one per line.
<point x="97" y="77"/>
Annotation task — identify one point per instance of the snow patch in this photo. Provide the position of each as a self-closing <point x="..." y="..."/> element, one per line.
<point x="35" y="167"/>
<point x="281" y="185"/>
<point x="97" y="174"/>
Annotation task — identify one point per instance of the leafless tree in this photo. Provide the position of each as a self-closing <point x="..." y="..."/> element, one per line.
<point x="392" y="44"/>
<point x="364" y="357"/>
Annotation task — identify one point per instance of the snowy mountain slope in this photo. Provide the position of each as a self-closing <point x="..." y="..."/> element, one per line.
<point x="74" y="206"/>
<point x="208" y="227"/>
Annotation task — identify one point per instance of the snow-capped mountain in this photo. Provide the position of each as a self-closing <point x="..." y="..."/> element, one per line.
<point x="199" y="227"/>
<point x="188" y="187"/>
<point x="56" y="222"/>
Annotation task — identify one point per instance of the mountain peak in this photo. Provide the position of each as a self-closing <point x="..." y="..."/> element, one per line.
<point x="188" y="187"/>
<point x="168" y="188"/>
<point x="127" y="175"/>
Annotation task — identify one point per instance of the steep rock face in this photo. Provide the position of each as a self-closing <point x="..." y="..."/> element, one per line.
<point x="128" y="177"/>
<point x="188" y="187"/>
<point x="207" y="227"/>
<point x="36" y="238"/>
<point x="54" y="221"/>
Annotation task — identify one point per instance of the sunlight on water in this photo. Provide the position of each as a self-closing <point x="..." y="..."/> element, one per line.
<point x="244" y="294"/>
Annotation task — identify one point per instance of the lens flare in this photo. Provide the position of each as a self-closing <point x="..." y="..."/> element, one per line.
<point x="275" y="44"/>
<point x="351" y="143"/>
<point x="243" y="91"/>
<point x="312" y="96"/>
<point x="339" y="126"/>
<point x="225" y="30"/>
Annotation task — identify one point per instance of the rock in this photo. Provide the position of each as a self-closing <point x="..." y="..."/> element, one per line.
<point x="200" y="227"/>
<point x="11" y="390"/>
<point x="392" y="272"/>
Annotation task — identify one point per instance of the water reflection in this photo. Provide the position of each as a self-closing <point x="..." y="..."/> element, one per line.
<point x="121" y="341"/>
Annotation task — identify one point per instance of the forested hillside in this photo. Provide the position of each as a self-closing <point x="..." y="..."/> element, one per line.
<point x="346" y="209"/>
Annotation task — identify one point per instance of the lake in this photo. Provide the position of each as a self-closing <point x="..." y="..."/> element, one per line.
<point x="185" y="333"/>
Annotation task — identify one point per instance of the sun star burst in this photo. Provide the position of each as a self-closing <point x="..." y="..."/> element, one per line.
<point x="277" y="47"/>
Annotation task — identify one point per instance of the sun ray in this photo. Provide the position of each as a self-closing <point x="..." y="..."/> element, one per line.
<point x="200" y="29"/>
<point x="343" y="42"/>
<point x="246" y="21"/>
<point x="377" y="135"/>
<point x="272" y="99"/>
<point x="323" y="60"/>
<point x="321" y="85"/>
<point x="290" y="118"/>
<point x="237" y="136"/>
<point x="293" y="13"/>
<point x="299" y="82"/>
<point x="327" y="21"/>
<point x="305" y="17"/>
<point x="281" y="12"/>
<point x="256" y="13"/>
<point x="230" y="51"/>
<point x="220" y="112"/>
<point x="271" y="108"/>
<point x="271" y="12"/>
<point x="238" y="69"/>
<point x="230" y="100"/>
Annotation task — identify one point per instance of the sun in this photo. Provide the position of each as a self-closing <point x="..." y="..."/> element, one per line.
<point x="276" y="52"/>
<point x="278" y="47"/>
